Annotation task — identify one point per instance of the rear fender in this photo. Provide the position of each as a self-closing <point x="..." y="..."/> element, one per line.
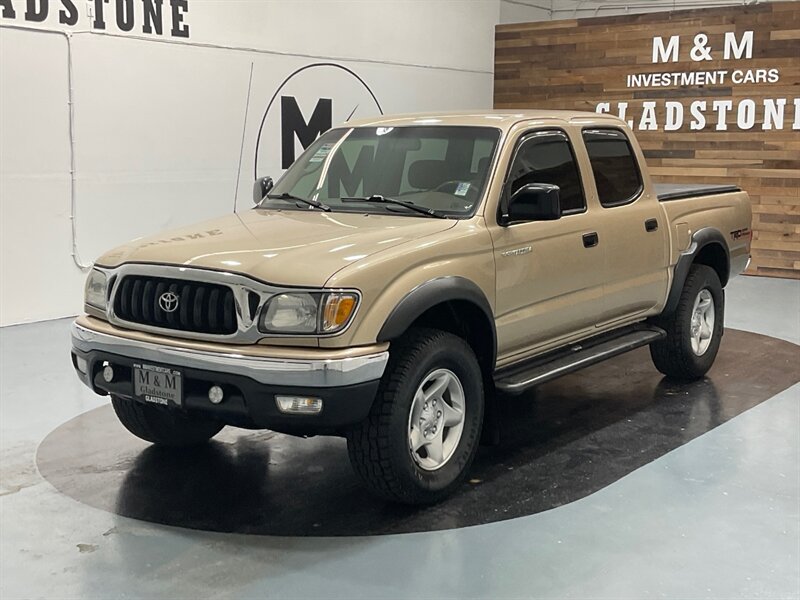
<point x="701" y="238"/>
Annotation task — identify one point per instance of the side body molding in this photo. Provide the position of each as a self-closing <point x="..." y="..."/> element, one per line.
<point x="429" y="294"/>
<point x="700" y="239"/>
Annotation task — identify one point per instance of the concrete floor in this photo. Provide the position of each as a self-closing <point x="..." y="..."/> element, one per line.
<point x="715" y="518"/>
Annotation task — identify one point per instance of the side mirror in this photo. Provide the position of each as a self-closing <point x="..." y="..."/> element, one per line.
<point x="534" y="202"/>
<point x="261" y="188"/>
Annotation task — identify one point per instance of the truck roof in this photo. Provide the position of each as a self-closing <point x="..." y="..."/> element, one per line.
<point x="502" y="119"/>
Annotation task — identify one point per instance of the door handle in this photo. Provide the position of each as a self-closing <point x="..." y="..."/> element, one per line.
<point x="651" y="225"/>
<point x="590" y="240"/>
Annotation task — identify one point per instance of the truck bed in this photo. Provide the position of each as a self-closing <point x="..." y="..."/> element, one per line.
<point x="679" y="191"/>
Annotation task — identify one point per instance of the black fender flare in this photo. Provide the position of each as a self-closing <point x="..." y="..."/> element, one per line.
<point x="431" y="293"/>
<point x="700" y="239"/>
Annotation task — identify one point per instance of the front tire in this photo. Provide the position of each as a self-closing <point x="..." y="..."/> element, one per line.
<point x="424" y="427"/>
<point x="694" y="329"/>
<point x="161" y="426"/>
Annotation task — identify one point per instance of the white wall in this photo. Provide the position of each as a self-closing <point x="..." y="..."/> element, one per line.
<point x="161" y="124"/>
<point x="163" y="133"/>
<point x="525" y="11"/>
<point x="581" y="9"/>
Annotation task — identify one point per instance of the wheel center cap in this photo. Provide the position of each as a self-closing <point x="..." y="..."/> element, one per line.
<point x="430" y="418"/>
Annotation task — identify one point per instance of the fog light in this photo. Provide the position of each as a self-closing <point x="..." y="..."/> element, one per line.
<point x="108" y="373"/>
<point x="215" y="394"/>
<point x="299" y="405"/>
<point x="82" y="364"/>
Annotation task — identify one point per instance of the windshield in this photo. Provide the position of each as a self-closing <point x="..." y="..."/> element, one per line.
<point x="440" y="168"/>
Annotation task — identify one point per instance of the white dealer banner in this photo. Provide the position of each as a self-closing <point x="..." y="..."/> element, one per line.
<point x="768" y="114"/>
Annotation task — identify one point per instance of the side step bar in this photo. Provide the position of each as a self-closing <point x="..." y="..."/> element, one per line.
<point x="518" y="378"/>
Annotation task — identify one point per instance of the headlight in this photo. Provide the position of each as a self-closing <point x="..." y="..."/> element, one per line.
<point x="308" y="313"/>
<point x="290" y="313"/>
<point x="96" y="289"/>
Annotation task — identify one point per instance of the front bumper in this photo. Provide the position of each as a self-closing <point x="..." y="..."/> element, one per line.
<point x="347" y="385"/>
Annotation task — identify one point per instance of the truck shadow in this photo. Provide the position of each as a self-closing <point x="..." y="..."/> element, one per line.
<point x="562" y="442"/>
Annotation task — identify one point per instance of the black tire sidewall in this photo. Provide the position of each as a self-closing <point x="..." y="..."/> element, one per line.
<point x="453" y="354"/>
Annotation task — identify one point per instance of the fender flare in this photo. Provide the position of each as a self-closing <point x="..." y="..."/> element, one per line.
<point x="429" y="294"/>
<point x="700" y="239"/>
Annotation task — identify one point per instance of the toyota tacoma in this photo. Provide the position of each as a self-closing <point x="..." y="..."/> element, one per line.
<point x="403" y="274"/>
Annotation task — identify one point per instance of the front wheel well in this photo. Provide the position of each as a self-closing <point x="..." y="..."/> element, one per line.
<point x="467" y="321"/>
<point x="475" y="326"/>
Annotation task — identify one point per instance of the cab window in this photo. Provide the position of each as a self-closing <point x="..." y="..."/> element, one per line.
<point x="616" y="172"/>
<point x="547" y="157"/>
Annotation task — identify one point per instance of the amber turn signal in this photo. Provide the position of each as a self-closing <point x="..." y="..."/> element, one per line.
<point x="339" y="308"/>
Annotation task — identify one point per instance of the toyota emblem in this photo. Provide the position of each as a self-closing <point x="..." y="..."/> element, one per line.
<point x="168" y="301"/>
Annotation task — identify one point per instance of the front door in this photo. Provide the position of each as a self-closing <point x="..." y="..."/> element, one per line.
<point x="549" y="273"/>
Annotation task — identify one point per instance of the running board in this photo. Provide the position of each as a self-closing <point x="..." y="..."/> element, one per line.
<point x="518" y="378"/>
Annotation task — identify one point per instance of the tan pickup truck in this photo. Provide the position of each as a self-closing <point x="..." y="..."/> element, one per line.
<point x="402" y="274"/>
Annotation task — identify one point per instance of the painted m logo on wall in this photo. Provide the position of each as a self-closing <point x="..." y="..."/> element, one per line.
<point x="305" y="105"/>
<point x="293" y="124"/>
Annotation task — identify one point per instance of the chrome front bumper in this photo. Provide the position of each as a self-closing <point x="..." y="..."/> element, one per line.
<point x="322" y="373"/>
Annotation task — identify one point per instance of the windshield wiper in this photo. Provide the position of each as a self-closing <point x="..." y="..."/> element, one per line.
<point x="378" y="199"/>
<point x="292" y="198"/>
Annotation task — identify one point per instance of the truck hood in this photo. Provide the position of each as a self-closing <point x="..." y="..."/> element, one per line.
<point x="284" y="247"/>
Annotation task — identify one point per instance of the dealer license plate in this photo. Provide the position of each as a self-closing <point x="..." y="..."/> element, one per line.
<point x="159" y="385"/>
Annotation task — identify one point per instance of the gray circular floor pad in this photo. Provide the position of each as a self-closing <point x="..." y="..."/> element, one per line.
<point x="562" y="442"/>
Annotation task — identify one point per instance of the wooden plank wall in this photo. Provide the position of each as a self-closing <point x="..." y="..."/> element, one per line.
<point x="576" y="64"/>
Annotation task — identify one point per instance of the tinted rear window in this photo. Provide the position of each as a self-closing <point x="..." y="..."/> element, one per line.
<point x="616" y="172"/>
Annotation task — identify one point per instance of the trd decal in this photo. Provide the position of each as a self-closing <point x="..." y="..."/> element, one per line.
<point x="741" y="233"/>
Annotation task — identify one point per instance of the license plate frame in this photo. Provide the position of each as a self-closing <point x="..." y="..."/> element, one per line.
<point x="156" y="384"/>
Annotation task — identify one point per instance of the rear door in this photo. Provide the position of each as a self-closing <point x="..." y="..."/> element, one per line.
<point x="636" y="231"/>
<point x="549" y="273"/>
